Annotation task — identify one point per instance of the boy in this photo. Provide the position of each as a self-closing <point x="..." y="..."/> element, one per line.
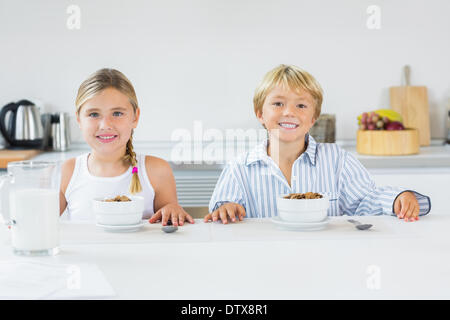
<point x="287" y="103"/>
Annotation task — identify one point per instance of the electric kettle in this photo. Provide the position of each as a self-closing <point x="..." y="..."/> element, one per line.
<point x="24" y="128"/>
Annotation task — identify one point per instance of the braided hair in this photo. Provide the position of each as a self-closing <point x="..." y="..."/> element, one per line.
<point x="130" y="157"/>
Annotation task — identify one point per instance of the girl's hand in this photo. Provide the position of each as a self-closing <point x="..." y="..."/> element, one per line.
<point x="406" y="206"/>
<point x="171" y="211"/>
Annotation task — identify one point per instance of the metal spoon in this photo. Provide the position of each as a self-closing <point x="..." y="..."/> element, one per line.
<point x="359" y="225"/>
<point x="169" y="228"/>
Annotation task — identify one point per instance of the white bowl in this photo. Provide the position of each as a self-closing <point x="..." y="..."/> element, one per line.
<point x="303" y="210"/>
<point x="118" y="213"/>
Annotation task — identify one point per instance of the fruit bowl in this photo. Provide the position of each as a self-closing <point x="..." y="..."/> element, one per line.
<point x="387" y="142"/>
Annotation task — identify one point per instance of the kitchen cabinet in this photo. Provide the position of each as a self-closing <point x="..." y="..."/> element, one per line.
<point x="433" y="182"/>
<point x="195" y="187"/>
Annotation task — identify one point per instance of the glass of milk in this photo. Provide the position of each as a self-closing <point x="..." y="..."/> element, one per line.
<point x="30" y="206"/>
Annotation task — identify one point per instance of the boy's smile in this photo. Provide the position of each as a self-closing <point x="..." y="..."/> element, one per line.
<point x="287" y="114"/>
<point x="288" y="125"/>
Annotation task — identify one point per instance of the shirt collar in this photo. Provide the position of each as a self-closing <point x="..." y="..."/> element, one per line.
<point x="259" y="152"/>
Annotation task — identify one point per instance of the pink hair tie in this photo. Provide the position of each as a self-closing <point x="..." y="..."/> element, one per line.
<point x="134" y="170"/>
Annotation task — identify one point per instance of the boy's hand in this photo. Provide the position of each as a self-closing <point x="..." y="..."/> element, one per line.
<point x="230" y="210"/>
<point x="406" y="206"/>
<point x="171" y="211"/>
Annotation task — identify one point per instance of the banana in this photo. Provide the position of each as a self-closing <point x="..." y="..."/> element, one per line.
<point x="389" y="113"/>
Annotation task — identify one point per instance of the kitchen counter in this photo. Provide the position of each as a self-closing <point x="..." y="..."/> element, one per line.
<point x="256" y="260"/>
<point x="436" y="155"/>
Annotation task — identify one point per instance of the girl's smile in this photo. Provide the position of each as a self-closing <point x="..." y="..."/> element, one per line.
<point x="104" y="138"/>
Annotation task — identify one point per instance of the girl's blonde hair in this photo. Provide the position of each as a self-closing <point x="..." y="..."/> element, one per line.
<point x="292" y="77"/>
<point x="111" y="78"/>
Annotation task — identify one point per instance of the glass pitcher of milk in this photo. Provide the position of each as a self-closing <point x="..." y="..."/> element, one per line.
<point x="30" y="206"/>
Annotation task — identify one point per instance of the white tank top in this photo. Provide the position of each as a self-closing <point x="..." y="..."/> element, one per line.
<point x="83" y="187"/>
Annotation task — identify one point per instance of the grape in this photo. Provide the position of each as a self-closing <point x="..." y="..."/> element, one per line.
<point x="380" y="124"/>
<point x="372" y="121"/>
<point x="364" y="117"/>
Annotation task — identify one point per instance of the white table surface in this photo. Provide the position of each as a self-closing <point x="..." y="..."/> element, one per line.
<point x="255" y="260"/>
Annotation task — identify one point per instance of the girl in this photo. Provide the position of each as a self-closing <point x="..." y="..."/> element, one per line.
<point x="107" y="112"/>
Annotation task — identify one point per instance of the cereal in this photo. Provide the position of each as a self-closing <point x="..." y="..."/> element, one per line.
<point x="118" y="199"/>
<point x="308" y="195"/>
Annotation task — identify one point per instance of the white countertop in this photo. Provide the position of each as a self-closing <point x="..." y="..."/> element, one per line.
<point x="255" y="260"/>
<point x="436" y="155"/>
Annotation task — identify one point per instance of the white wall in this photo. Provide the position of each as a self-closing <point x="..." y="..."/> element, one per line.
<point x="201" y="59"/>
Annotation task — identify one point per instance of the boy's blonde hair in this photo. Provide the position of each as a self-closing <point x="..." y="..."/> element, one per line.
<point x="111" y="78"/>
<point x="292" y="77"/>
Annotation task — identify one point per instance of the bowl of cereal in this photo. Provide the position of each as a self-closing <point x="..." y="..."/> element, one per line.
<point x="119" y="210"/>
<point x="303" y="207"/>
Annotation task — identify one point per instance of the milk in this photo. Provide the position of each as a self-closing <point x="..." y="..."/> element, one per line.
<point x="36" y="212"/>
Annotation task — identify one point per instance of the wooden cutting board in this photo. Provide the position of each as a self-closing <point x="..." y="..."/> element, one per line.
<point x="412" y="103"/>
<point x="16" y="155"/>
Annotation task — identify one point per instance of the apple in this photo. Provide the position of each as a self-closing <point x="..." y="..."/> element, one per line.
<point x="394" y="125"/>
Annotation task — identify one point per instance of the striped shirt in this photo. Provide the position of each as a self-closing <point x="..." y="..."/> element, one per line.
<point x="254" y="180"/>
